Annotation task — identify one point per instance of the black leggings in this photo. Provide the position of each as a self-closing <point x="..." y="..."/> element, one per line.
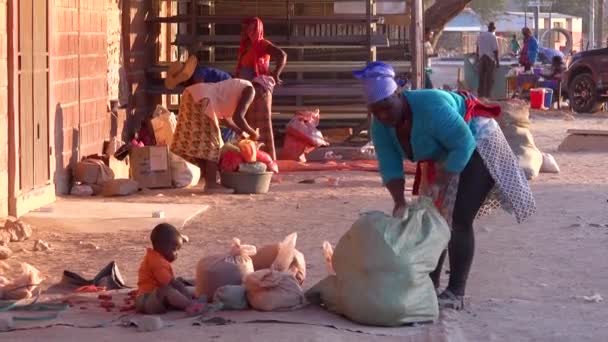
<point x="473" y="188"/>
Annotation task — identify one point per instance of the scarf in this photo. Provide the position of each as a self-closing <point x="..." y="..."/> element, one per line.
<point x="265" y="82"/>
<point x="378" y="80"/>
<point x="254" y="27"/>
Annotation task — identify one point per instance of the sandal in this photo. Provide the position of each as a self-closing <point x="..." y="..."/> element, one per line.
<point x="448" y="300"/>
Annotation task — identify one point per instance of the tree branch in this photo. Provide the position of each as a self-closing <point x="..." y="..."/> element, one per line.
<point x="441" y="12"/>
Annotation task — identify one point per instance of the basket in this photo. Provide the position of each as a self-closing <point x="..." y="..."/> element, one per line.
<point x="246" y="183"/>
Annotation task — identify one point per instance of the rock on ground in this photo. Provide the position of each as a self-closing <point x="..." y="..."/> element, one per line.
<point x="18" y="230"/>
<point x="5" y="253"/>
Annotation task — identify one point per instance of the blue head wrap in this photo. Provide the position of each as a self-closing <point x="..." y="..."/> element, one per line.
<point x="378" y="81"/>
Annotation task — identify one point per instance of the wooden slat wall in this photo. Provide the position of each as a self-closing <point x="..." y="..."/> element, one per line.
<point x="26" y="110"/>
<point x="40" y="94"/>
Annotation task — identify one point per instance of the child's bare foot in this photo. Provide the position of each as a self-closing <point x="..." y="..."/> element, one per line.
<point x="195" y="309"/>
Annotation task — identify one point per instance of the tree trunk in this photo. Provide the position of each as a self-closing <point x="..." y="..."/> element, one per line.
<point x="440" y="13"/>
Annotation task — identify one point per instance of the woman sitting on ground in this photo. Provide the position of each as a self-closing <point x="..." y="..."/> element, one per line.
<point x="254" y="58"/>
<point x="463" y="159"/>
<point x="203" y="106"/>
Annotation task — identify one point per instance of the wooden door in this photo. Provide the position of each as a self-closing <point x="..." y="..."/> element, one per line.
<point x="33" y="95"/>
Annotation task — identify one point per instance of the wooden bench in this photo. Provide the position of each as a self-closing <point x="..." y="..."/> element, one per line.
<point x="377" y="39"/>
<point x="583" y="140"/>
<point x="237" y="20"/>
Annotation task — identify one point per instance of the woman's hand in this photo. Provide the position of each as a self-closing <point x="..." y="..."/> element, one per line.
<point x="278" y="81"/>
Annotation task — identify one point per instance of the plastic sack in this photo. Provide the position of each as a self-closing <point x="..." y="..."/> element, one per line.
<point x="163" y="124"/>
<point x="303" y="126"/>
<point x="231" y="297"/>
<point x="382" y="267"/>
<point x="215" y="271"/>
<point x="253" y="168"/>
<point x="19" y="285"/>
<point x="269" y="290"/>
<point x="283" y="257"/>
<point x="230" y="161"/>
<point x="549" y="164"/>
<point x="295" y="149"/>
<point x="515" y="125"/>
<point x="183" y="174"/>
<point x="266" y="159"/>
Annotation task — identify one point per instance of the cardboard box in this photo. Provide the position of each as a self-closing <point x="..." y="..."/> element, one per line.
<point x="150" y="166"/>
<point x="120" y="167"/>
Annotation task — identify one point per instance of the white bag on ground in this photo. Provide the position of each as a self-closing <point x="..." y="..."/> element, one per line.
<point x="163" y="124"/>
<point x="382" y="266"/>
<point x="269" y="290"/>
<point x="183" y="174"/>
<point x="549" y="164"/>
<point x="232" y="297"/>
<point x="215" y="271"/>
<point x="515" y="124"/>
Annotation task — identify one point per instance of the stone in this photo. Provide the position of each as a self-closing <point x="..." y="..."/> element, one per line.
<point x="149" y="323"/>
<point x="5" y="253"/>
<point x="88" y="245"/>
<point x="5" y="237"/>
<point x="18" y="230"/>
<point x="6" y="322"/>
<point x="41" y="246"/>
<point x="185" y="238"/>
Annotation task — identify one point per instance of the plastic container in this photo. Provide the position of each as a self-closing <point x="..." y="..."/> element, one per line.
<point x="537" y="98"/>
<point x="246" y="183"/>
<point x="548" y="98"/>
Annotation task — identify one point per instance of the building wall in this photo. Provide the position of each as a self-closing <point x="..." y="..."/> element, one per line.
<point x="78" y="84"/>
<point x="3" y="110"/>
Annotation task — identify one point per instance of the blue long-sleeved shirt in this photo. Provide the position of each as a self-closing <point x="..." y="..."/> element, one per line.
<point x="532" y="50"/>
<point x="439" y="133"/>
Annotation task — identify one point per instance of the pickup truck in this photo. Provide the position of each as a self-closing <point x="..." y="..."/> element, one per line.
<point x="586" y="80"/>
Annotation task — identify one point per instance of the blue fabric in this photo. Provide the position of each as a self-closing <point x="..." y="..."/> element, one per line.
<point x="532" y="50"/>
<point x="378" y="81"/>
<point x="549" y="54"/>
<point x="210" y="75"/>
<point x="439" y="133"/>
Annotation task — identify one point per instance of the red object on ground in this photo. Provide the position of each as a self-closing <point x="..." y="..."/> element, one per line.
<point x="90" y="289"/>
<point x="127" y="308"/>
<point x="294" y="149"/>
<point x="230" y="161"/>
<point x="265" y="158"/>
<point x="104" y="297"/>
<point x="107" y="305"/>
<point x="348" y="165"/>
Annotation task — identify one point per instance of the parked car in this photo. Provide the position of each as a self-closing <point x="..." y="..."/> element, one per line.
<point x="586" y="80"/>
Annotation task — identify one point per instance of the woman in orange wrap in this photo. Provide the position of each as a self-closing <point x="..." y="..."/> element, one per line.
<point x="254" y="57"/>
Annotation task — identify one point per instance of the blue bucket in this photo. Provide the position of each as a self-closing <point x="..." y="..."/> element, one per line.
<point x="548" y="98"/>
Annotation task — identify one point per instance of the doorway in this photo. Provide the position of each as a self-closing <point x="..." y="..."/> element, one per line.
<point x="29" y="173"/>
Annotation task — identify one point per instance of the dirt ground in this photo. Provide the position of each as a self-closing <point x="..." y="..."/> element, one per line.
<point x="527" y="282"/>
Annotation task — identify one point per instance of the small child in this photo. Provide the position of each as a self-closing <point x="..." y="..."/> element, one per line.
<point x="158" y="290"/>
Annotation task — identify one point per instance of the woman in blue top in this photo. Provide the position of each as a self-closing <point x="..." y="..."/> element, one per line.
<point x="465" y="163"/>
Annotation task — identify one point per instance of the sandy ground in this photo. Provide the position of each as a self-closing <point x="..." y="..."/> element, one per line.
<point x="527" y="281"/>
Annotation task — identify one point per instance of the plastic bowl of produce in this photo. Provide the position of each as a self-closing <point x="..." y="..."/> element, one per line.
<point x="247" y="183"/>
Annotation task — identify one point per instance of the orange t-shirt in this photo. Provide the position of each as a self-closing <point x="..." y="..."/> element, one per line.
<point x="154" y="272"/>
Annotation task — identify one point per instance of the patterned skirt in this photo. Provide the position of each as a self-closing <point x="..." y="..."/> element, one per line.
<point x="197" y="136"/>
<point x="511" y="191"/>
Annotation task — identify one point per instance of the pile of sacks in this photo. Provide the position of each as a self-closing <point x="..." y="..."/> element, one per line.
<point x="265" y="279"/>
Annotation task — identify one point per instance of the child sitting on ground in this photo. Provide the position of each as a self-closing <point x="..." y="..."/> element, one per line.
<point x="158" y="290"/>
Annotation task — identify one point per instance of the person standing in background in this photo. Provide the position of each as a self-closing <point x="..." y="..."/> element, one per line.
<point x="515" y="47"/>
<point x="529" y="53"/>
<point x="429" y="52"/>
<point x="487" y="52"/>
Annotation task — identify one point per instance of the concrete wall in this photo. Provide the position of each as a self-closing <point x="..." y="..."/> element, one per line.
<point x="3" y="111"/>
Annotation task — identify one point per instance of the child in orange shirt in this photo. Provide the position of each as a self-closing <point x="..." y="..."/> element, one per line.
<point x="158" y="290"/>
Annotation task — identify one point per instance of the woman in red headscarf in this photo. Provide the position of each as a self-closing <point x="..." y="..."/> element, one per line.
<point x="254" y="58"/>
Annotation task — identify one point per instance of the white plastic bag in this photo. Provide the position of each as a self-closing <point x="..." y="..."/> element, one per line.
<point x="549" y="164"/>
<point x="163" y="124"/>
<point x="183" y="174"/>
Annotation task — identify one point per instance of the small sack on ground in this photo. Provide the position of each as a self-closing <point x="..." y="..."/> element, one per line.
<point x="269" y="290"/>
<point x="92" y="172"/>
<point x="282" y="256"/>
<point x="215" y="271"/>
<point x="183" y="174"/>
<point x="382" y="266"/>
<point x="549" y="164"/>
<point x="231" y="297"/>
<point x="119" y="187"/>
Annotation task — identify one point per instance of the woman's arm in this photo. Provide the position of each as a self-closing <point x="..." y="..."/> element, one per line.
<point x="280" y="56"/>
<point x="238" y="118"/>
